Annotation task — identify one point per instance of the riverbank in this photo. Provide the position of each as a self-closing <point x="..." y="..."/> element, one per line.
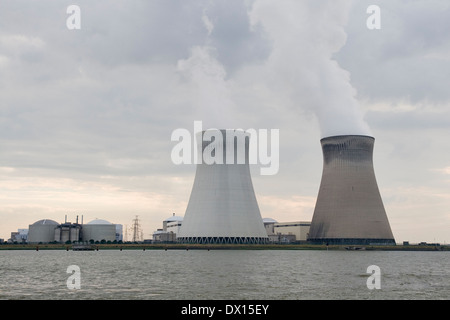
<point x="176" y="246"/>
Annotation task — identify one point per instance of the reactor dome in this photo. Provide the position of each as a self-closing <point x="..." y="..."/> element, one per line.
<point x="98" y="230"/>
<point x="46" y="222"/>
<point x="42" y="231"/>
<point x="99" y="221"/>
<point x="174" y="218"/>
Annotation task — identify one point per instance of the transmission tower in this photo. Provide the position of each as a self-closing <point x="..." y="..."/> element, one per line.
<point x="137" y="230"/>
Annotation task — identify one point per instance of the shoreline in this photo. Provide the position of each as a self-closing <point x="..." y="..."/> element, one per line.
<point x="177" y="246"/>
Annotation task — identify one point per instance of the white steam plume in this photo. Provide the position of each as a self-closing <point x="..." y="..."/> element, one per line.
<point x="210" y="87"/>
<point x="305" y="35"/>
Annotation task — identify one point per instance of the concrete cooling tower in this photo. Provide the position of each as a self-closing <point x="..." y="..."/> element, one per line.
<point x="349" y="209"/>
<point x="222" y="207"/>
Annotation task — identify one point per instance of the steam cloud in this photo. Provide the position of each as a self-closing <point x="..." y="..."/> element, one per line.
<point x="305" y="35"/>
<point x="207" y="75"/>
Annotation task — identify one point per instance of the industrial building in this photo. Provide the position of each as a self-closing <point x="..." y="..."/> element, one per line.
<point x="222" y="207"/>
<point x="169" y="231"/>
<point x="46" y="231"/>
<point x="98" y="230"/>
<point x="349" y="208"/>
<point x="42" y="231"/>
<point x="163" y="236"/>
<point x="298" y="229"/>
<point x="283" y="232"/>
<point x="173" y="224"/>
<point x="286" y="232"/>
<point x="67" y="232"/>
<point x="268" y="225"/>
<point x="19" y="236"/>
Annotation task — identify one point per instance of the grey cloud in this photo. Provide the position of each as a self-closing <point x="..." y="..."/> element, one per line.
<point x="237" y="42"/>
<point x="407" y="59"/>
<point x="410" y="120"/>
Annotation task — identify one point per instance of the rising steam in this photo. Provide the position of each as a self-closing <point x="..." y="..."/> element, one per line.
<point x="212" y="96"/>
<point x="305" y="35"/>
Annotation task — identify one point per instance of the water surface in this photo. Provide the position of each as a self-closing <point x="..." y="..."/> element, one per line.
<point x="224" y="274"/>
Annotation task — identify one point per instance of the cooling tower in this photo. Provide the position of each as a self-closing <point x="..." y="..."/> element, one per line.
<point x="349" y="209"/>
<point x="222" y="207"/>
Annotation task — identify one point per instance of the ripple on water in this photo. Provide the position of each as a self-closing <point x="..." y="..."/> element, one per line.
<point x="217" y="274"/>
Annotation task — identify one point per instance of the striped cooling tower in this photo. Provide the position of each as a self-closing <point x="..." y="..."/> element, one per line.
<point x="349" y="209"/>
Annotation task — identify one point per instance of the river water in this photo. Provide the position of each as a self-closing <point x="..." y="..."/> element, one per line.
<point x="224" y="274"/>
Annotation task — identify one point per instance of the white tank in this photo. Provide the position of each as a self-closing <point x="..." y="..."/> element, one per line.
<point x="98" y="230"/>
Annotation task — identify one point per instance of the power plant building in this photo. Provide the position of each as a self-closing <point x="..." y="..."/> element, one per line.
<point x="173" y="224"/>
<point x="222" y="207"/>
<point x="169" y="231"/>
<point x="298" y="229"/>
<point x="67" y="232"/>
<point x="286" y="232"/>
<point x="98" y="230"/>
<point x="42" y="231"/>
<point x="349" y="208"/>
<point x="46" y="231"/>
<point x="20" y="236"/>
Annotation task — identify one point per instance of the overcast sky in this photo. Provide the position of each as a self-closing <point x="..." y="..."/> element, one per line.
<point x="86" y="115"/>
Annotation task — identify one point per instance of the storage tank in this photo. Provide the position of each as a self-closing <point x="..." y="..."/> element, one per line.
<point x="349" y="208"/>
<point x="173" y="223"/>
<point x="42" y="231"/>
<point x="222" y="207"/>
<point x="98" y="230"/>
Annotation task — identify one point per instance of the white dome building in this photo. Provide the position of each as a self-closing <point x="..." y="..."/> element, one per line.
<point x="98" y="230"/>
<point x="42" y="231"/>
<point x="172" y="224"/>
